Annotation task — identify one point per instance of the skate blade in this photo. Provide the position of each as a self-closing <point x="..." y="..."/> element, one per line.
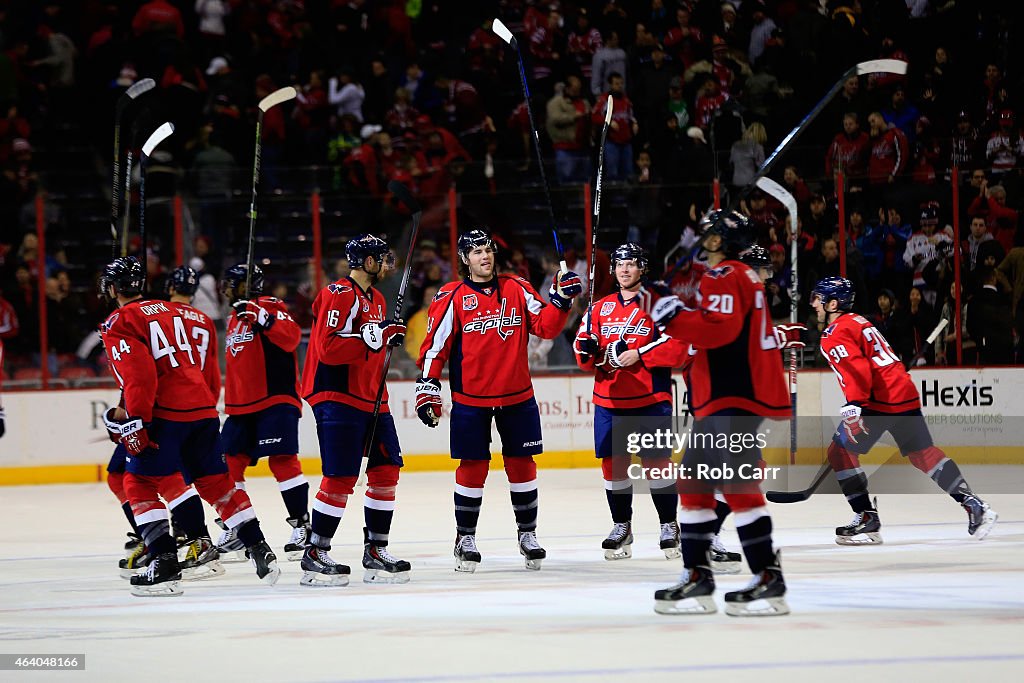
<point x="271" y="577"/>
<point x="293" y="555"/>
<point x="623" y="553"/>
<point x="726" y="567"/>
<point x="703" y="604"/>
<point x="210" y="570"/>
<point x="466" y="566"/>
<point x="872" y="538"/>
<point x="318" y="580"/>
<point x="765" y="607"/>
<point x="986" y="525"/>
<point x="127" y="574"/>
<point x="167" y="589"/>
<point x="381" y="576"/>
<point x="534" y="565"/>
<point x="231" y="556"/>
<point x="672" y="553"/>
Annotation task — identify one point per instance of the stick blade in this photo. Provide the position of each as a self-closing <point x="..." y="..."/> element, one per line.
<point x="140" y="87"/>
<point x="781" y="194"/>
<point x="608" y="111"/>
<point x="404" y="195"/>
<point x="786" y="496"/>
<point x="873" y="66"/>
<point x="502" y="31"/>
<point x="937" y="331"/>
<point x="277" y="97"/>
<point x="158" y="136"/>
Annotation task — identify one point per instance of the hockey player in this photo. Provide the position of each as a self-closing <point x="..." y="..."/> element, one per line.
<point x="197" y="555"/>
<point x="168" y="422"/>
<point x="735" y="381"/>
<point x="481" y="326"/>
<point x="637" y="388"/>
<point x="261" y="398"/>
<point x="880" y="397"/>
<point x="340" y="379"/>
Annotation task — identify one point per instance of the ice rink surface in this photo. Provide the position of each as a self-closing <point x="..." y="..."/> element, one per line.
<point x="931" y="603"/>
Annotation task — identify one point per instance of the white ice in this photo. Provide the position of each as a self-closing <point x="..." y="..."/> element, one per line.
<point x="931" y="603"/>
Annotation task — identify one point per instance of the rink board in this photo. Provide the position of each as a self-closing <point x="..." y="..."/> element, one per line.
<point x="58" y="436"/>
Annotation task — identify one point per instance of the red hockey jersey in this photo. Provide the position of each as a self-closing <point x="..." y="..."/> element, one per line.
<point x="157" y="353"/>
<point x="644" y="383"/>
<point x="339" y="366"/>
<point x="262" y="367"/>
<point x="737" y="364"/>
<point x="481" y="330"/>
<point x="869" y="371"/>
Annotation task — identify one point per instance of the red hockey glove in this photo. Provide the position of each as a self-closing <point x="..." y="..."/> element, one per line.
<point x="586" y="346"/>
<point x="251" y="312"/>
<point x="428" y="400"/>
<point x="566" y="286"/>
<point x="135" y="438"/>
<point x="613" y="351"/>
<point x="386" y="332"/>
<point x="853" y="424"/>
<point x="790" y="335"/>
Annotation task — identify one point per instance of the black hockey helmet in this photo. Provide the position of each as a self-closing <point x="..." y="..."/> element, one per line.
<point x="630" y="251"/>
<point x="183" y="280"/>
<point x="359" y="248"/>
<point x="756" y="257"/>
<point x="232" y="285"/>
<point x="838" y="288"/>
<point x="735" y="229"/>
<point x="477" y="237"/>
<point x="125" y="274"/>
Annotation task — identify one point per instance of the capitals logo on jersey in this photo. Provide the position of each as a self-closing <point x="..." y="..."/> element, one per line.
<point x="624" y="328"/>
<point x="108" y="323"/>
<point x="335" y="288"/>
<point x="505" y="325"/>
<point x="240" y="335"/>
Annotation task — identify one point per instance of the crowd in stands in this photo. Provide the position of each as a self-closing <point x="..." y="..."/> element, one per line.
<point x="424" y="93"/>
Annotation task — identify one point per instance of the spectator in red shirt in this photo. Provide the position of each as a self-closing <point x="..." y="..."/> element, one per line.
<point x="158" y="16"/>
<point x="849" y="151"/>
<point x="618" y="151"/>
<point x="1001" y="220"/>
<point x="582" y="43"/>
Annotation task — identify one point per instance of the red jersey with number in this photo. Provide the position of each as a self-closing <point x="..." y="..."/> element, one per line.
<point x="339" y="365"/>
<point x="869" y="371"/>
<point x="160" y="356"/>
<point x="262" y="366"/>
<point x="481" y="330"/>
<point x="646" y="382"/>
<point x="735" y="364"/>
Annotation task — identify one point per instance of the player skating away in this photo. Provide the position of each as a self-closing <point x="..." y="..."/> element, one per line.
<point x="480" y="327"/>
<point x="631" y="361"/>
<point x="735" y="381"/>
<point x="8" y="329"/>
<point x="196" y="553"/>
<point x="880" y="397"/>
<point x="340" y="379"/>
<point x="261" y="398"/>
<point x="170" y="424"/>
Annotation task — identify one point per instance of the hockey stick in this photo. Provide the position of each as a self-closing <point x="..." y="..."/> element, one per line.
<point x="597" y="213"/>
<point x="158" y="136"/>
<point x="800" y="496"/>
<point x="123" y="102"/>
<point x="404" y="196"/>
<point x="273" y="99"/>
<point x="502" y="32"/>
<point x="787" y="200"/>
<point x="929" y="340"/>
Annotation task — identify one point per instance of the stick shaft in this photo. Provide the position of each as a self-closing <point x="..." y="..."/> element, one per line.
<point x="251" y="256"/>
<point x="597" y="224"/>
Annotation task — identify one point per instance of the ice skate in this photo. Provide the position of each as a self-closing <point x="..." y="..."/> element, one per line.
<point x="161" y="579"/>
<point x="530" y="549"/>
<point x="723" y="561"/>
<point x="865" y="529"/>
<point x="467" y="557"/>
<point x="380" y="565"/>
<point x="134" y="540"/>
<point x="692" y="595"/>
<point x="763" y="597"/>
<point x="199" y="560"/>
<point x="318" y="569"/>
<point x="265" y="561"/>
<point x="619" y="544"/>
<point x="138" y="558"/>
<point x="980" y="517"/>
<point x="229" y="547"/>
<point x="670" y="541"/>
<point x="296" y="545"/>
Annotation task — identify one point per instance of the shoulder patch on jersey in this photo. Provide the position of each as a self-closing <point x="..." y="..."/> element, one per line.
<point x="109" y="322"/>
<point x="335" y="288"/>
<point x="719" y="272"/>
<point x="440" y="295"/>
<point x="607" y="307"/>
<point x="366" y="306"/>
<point x="829" y="330"/>
<point x="469" y="302"/>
